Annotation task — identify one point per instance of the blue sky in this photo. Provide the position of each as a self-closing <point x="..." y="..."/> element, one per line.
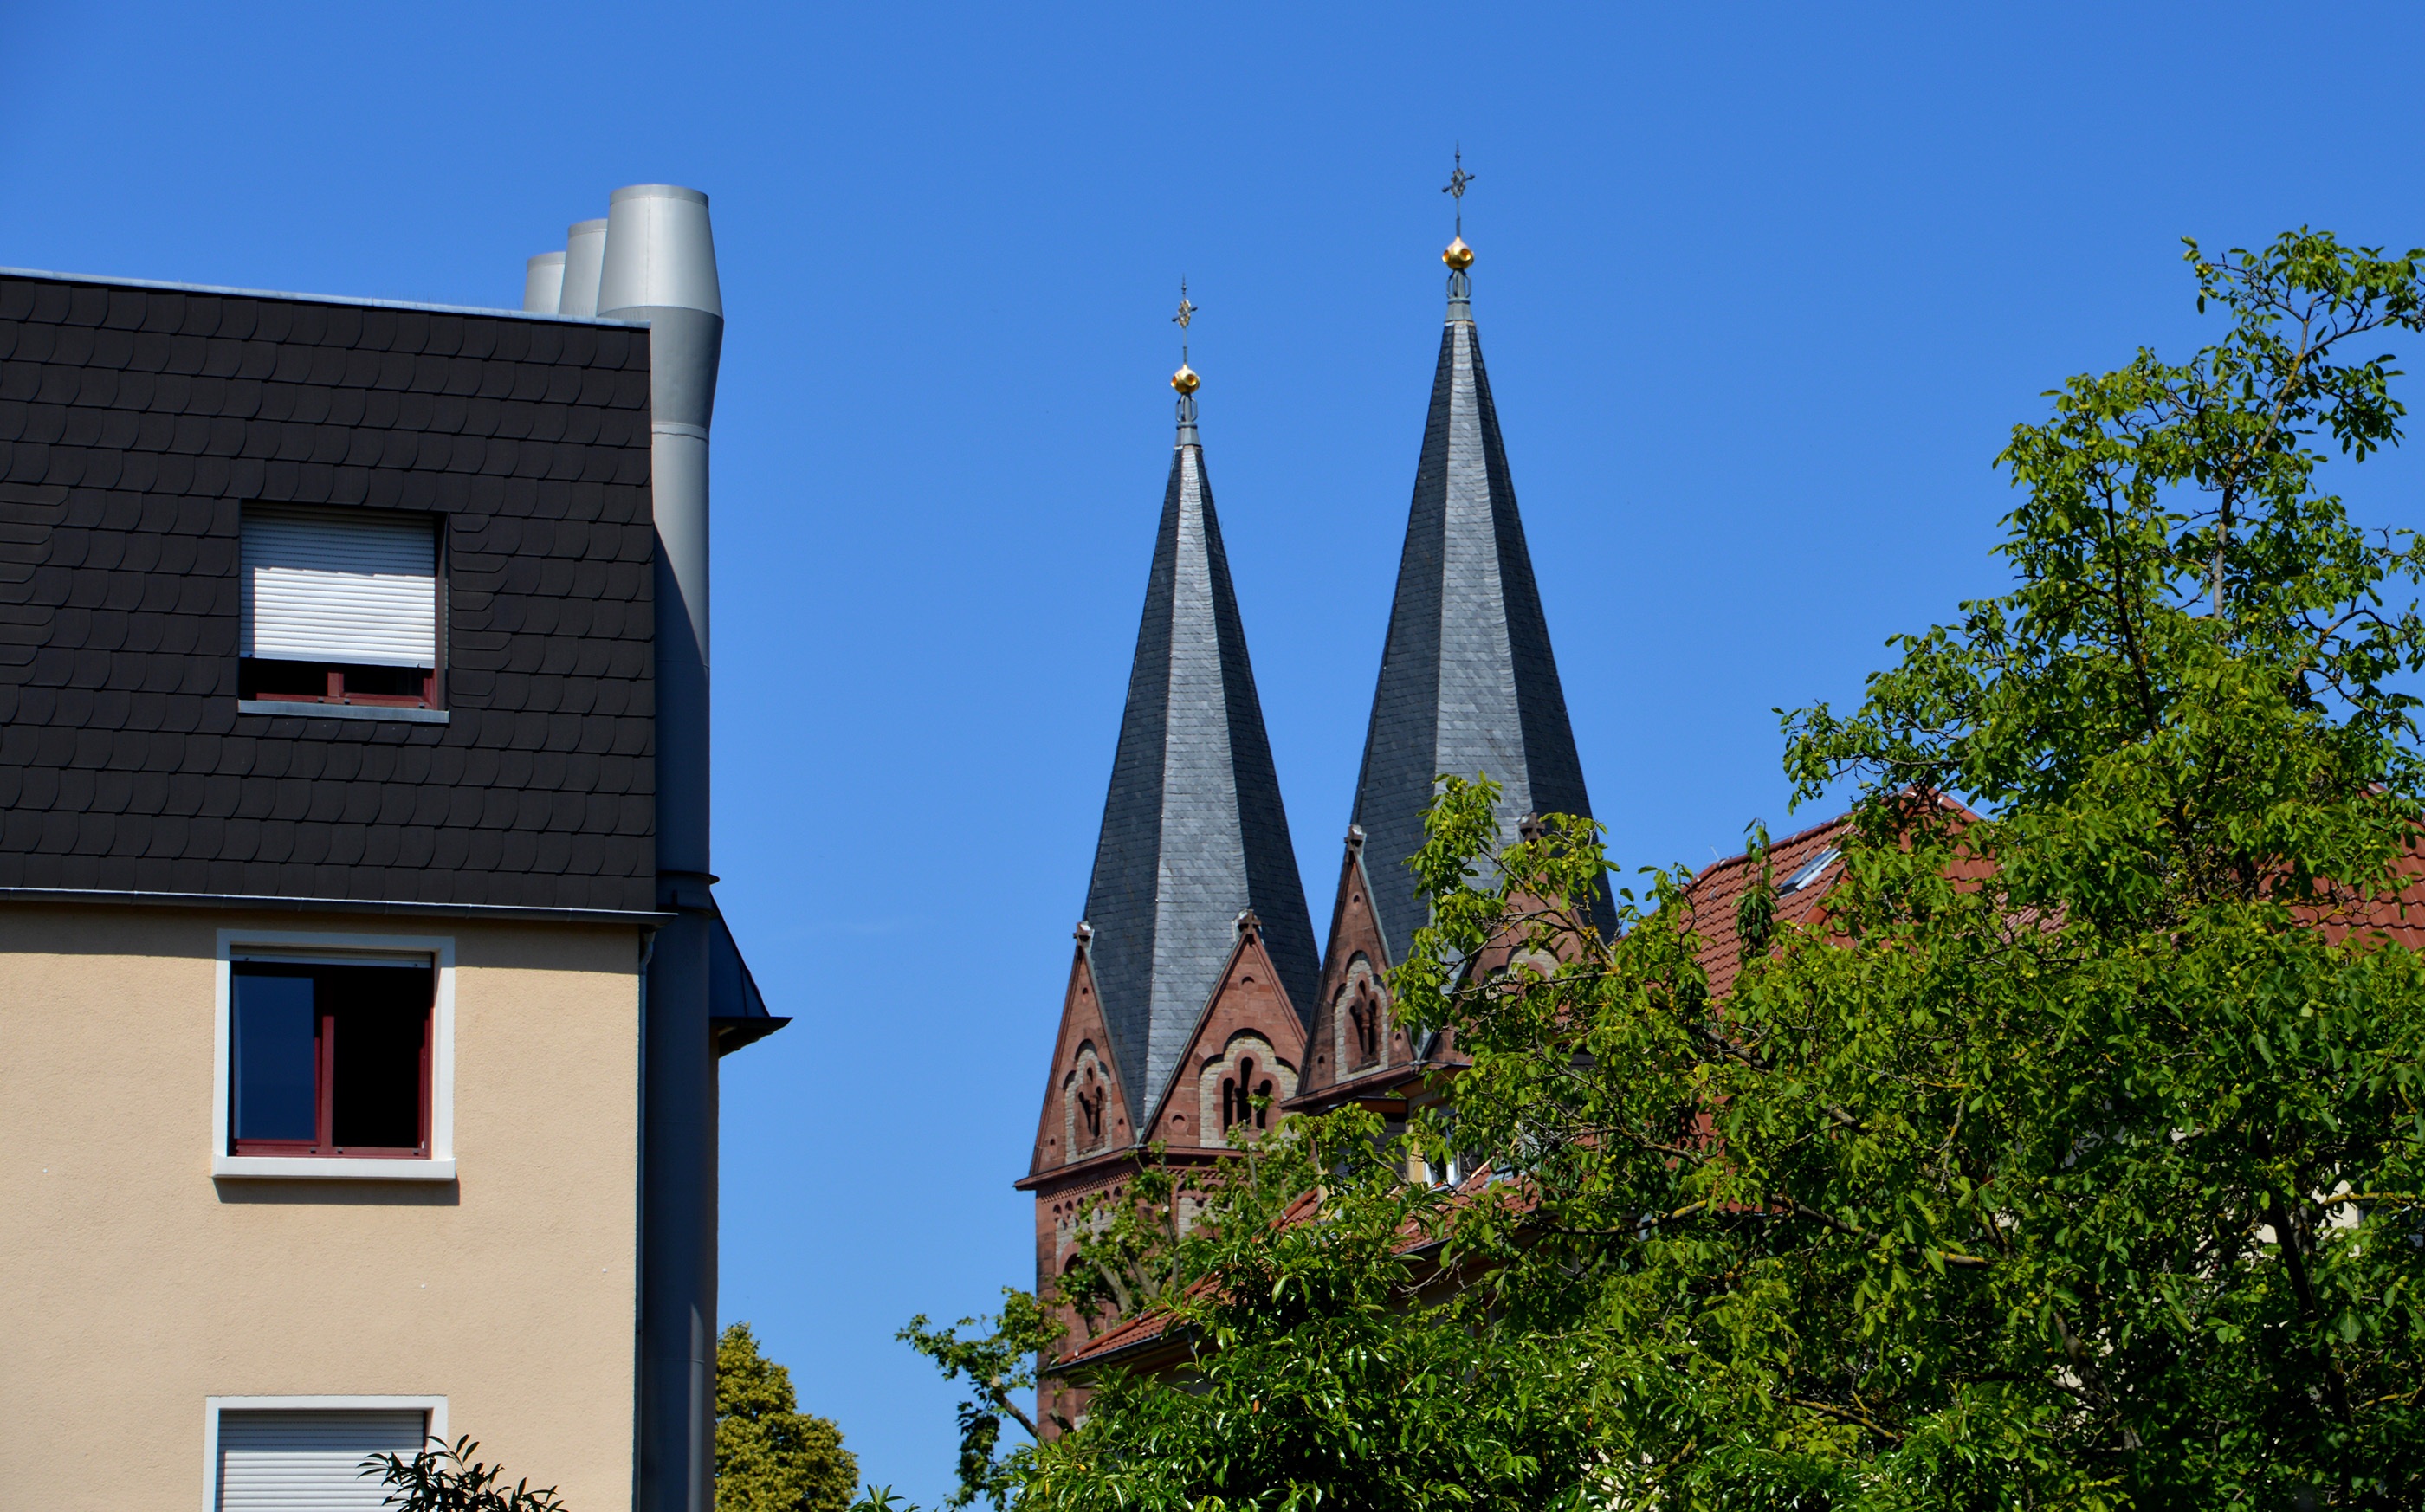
<point x="1762" y="287"/>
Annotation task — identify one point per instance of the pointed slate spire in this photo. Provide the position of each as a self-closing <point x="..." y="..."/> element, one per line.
<point x="1468" y="682"/>
<point x="1193" y="833"/>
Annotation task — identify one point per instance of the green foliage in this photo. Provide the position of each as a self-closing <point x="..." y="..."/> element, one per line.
<point x="997" y="1357"/>
<point x="448" y="1479"/>
<point x="2076" y="1157"/>
<point x="2072" y="1156"/>
<point x="1331" y="1363"/>
<point x="770" y="1456"/>
<point x="1130" y="1262"/>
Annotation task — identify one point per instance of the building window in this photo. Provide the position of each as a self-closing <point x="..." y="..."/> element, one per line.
<point x="268" y="1451"/>
<point x="330" y="1059"/>
<point x="1359" y="1018"/>
<point x="335" y="1057"/>
<point x="1085" y="1092"/>
<point x="340" y="606"/>
<point x="1090" y="1107"/>
<point x="1364" y="1012"/>
<point x="1229" y="1086"/>
<point x="1238" y="1095"/>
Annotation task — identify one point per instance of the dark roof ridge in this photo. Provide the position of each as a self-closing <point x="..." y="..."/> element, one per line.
<point x="284" y="903"/>
<point x="218" y="291"/>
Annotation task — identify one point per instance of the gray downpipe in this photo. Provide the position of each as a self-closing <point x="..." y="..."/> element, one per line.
<point x="658" y="266"/>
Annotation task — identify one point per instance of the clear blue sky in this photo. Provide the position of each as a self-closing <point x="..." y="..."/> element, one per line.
<point x="1761" y="286"/>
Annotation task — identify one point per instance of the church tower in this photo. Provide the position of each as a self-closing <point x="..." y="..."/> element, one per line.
<point x="1468" y="685"/>
<point x="1193" y="970"/>
<point x="1195" y="1001"/>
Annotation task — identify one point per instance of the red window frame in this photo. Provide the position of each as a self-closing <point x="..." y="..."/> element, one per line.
<point x="323" y="1145"/>
<point x="336" y="692"/>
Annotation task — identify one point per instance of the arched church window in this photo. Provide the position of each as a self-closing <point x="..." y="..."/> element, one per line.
<point x="1090" y="1105"/>
<point x="1239" y="1094"/>
<point x="1237" y="1103"/>
<point x="1364" y="1013"/>
<point x="1248" y="1070"/>
<point x="1085" y="1093"/>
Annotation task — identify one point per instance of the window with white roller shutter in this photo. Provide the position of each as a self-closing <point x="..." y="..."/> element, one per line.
<point x="310" y="1460"/>
<point x="340" y="606"/>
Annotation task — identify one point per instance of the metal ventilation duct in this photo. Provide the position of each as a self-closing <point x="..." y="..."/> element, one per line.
<point x="585" y="248"/>
<point x="658" y="267"/>
<point x="543" y="285"/>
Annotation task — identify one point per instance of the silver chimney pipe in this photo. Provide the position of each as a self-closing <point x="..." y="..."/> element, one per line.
<point x="543" y="284"/>
<point x="585" y="248"/>
<point x="659" y="266"/>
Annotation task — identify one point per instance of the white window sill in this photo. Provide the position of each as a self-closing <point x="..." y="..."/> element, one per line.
<point x="298" y="708"/>
<point x="332" y="1168"/>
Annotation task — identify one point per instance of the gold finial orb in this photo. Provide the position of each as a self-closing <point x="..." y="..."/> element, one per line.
<point x="1185" y="380"/>
<point x="1458" y="256"/>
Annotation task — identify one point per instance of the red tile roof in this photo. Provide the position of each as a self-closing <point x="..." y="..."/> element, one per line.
<point x="1716" y="894"/>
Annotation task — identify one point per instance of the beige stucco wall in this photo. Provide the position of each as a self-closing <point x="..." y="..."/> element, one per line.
<point x="133" y="1285"/>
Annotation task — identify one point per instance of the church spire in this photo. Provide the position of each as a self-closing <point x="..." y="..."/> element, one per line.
<point x="1467" y="682"/>
<point x="1193" y="833"/>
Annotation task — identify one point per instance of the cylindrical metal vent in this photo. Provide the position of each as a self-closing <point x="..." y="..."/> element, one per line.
<point x="585" y="250"/>
<point x="663" y="251"/>
<point x="659" y="266"/>
<point x="543" y="284"/>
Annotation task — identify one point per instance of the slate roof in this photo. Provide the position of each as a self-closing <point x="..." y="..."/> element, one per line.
<point x="136" y="421"/>
<point x="1468" y="682"/>
<point x="1193" y="831"/>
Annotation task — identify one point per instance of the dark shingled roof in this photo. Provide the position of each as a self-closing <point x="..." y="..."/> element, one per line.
<point x="1467" y="683"/>
<point x="1193" y="832"/>
<point x="135" y="422"/>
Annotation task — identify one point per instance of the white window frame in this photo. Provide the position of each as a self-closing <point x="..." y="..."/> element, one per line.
<point x="439" y="950"/>
<point x="213" y="1405"/>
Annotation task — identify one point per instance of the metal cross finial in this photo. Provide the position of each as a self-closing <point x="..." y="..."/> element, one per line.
<point x="1454" y="187"/>
<point x="1185" y="380"/>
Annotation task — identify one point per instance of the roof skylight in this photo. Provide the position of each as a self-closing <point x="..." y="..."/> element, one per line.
<point x="1811" y="872"/>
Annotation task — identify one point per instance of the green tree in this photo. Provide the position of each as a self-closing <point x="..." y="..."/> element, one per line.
<point x="997" y="1357"/>
<point x="2073" y="1157"/>
<point x="2076" y="1158"/>
<point x="770" y="1456"/>
<point x="1323" y="1372"/>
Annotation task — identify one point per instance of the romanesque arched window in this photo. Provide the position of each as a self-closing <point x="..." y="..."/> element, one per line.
<point x="1234" y="1109"/>
<point x="1239" y="1091"/>
<point x="1247" y="1072"/>
<point x="1085" y="1092"/>
<point x="1359" y="1019"/>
